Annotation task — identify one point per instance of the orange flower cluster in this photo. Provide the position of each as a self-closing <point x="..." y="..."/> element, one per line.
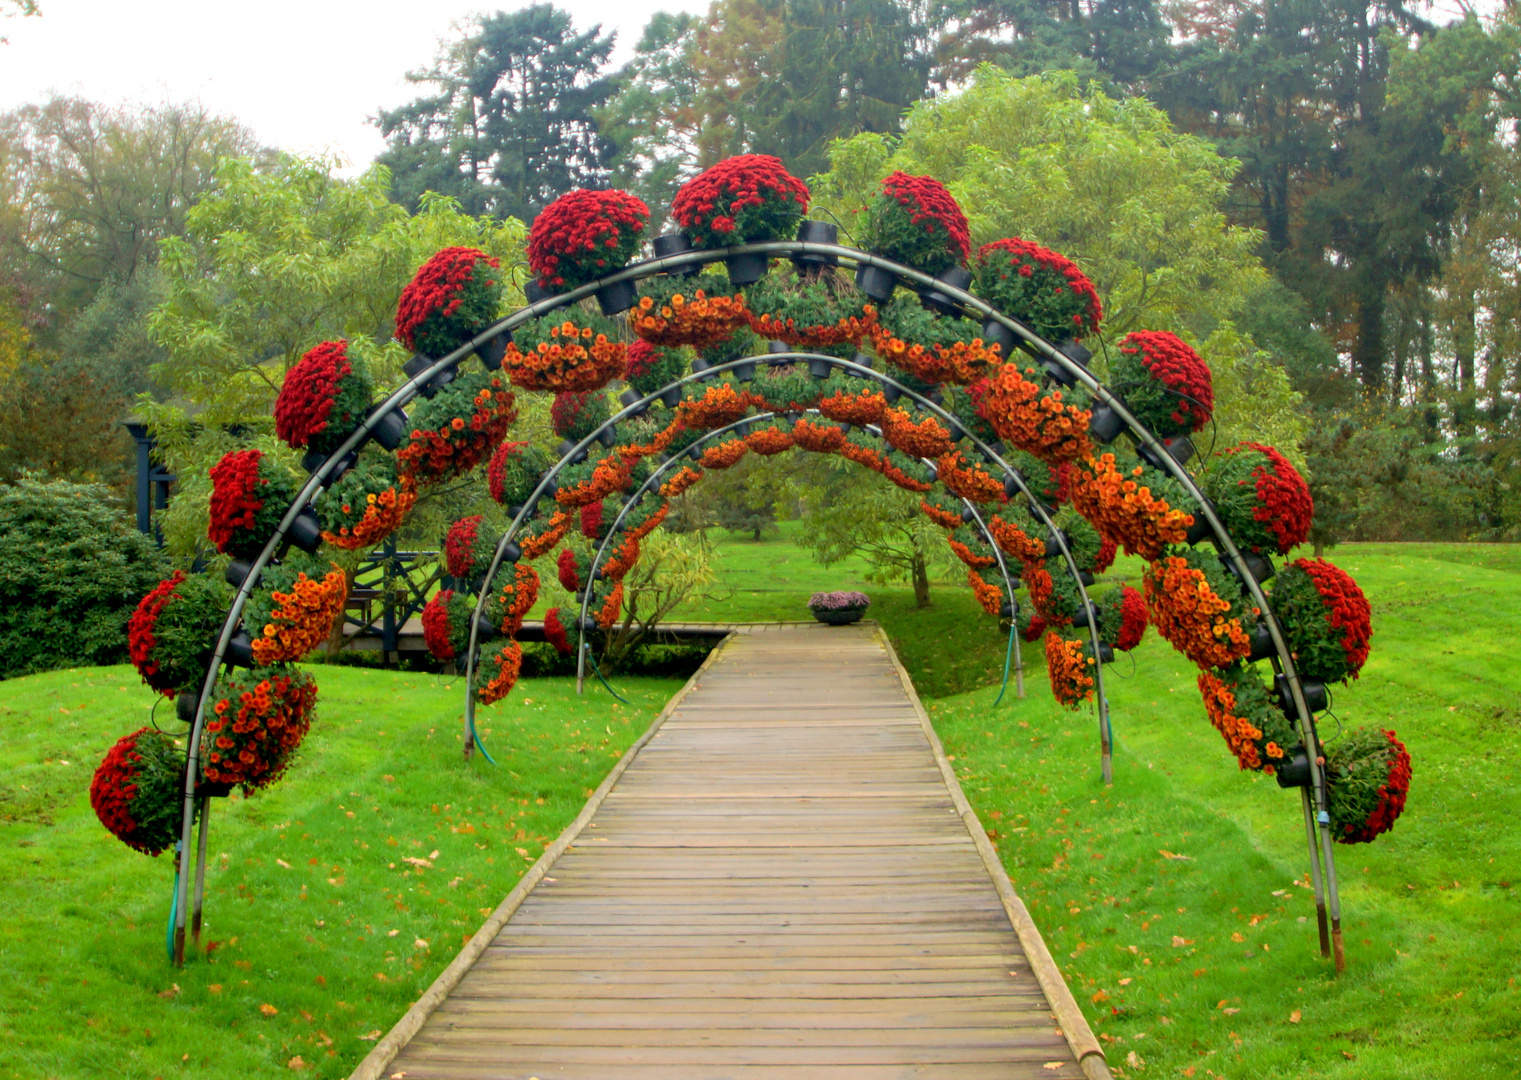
<point x="862" y="455"/>
<point x="1043" y="426"/>
<point x="725" y="455"/>
<point x="1014" y="540"/>
<point x="255" y="727"/>
<point x="610" y="475"/>
<point x="847" y="330"/>
<point x="769" y="441"/>
<point x="534" y="546"/>
<point x="718" y="406"/>
<point x="1068" y="667"/>
<point x="1038" y="580"/>
<point x="623" y="559"/>
<point x="607" y="614"/>
<point x="577" y="359"/>
<point x="903" y="480"/>
<point x="989" y="596"/>
<point x="504" y="668"/>
<point x="865" y="407"/>
<point x="967" y="480"/>
<point x="1191" y="615"/>
<point x="946" y="519"/>
<point x="680" y="482"/>
<point x="1124" y="510"/>
<point x="662" y="439"/>
<point x="382" y="517"/>
<point x="433" y="456"/>
<point x="819" y="438"/>
<point x="303" y="620"/>
<point x="969" y="557"/>
<point x="1240" y="734"/>
<point x="699" y="320"/>
<point x="962" y="362"/>
<point x="650" y="524"/>
<point x="926" y="439"/>
<point x="518" y="596"/>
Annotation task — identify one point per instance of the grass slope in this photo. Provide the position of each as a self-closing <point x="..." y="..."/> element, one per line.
<point x="324" y="935"/>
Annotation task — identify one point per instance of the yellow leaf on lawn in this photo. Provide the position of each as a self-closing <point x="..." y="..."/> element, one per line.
<point x="268" y="1010"/>
<point x="296" y="1063"/>
<point x="1294" y="1016"/>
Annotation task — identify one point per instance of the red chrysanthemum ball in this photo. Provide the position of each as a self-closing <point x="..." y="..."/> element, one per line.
<point x="749" y="198"/>
<point x="323" y="399"/>
<point x="916" y="221"/>
<point x="452" y="298"/>
<point x="1042" y="288"/>
<point x="1164" y="382"/>
<point x="585" y="235"/>
<point x="1263" y="501"/>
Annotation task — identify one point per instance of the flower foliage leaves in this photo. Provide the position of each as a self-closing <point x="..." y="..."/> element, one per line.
<point x="743" y="199"/>
<point x="137" y="791"/>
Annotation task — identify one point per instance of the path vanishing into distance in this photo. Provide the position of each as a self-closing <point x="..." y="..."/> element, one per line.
<point x="780" y="879"/>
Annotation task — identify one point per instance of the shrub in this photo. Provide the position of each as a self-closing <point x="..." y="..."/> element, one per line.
<point x="72" y="569"/>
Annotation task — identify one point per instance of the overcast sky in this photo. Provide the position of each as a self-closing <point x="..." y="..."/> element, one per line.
<point x="304" y="75"/>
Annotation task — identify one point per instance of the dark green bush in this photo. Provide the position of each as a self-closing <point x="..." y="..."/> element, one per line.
<point x="72" y="569"/>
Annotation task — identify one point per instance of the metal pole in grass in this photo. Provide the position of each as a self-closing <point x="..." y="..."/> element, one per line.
<point x="200" y="872"/>
<point x="1003" y="568"/>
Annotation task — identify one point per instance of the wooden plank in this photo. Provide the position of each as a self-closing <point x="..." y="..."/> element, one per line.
<point x="781" y="883"/>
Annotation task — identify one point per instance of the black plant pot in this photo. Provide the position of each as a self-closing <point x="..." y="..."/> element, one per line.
<point x="1085" y="577"/>
<point x="876" y="282"/>
<point x="618" y="297"/>
<point x="1011" y="484"/>
<point x="313" y="460"/>
<point x="820" y="368"/>
<point x="608" y="436"/>
<point x="744" y="371"/>
<point x="1105" y="653"/>
<point x="1105" y="425"/>
<point x="1200" y="531"/>
<point x="533" y="292"/>
<point x="486" y="628"/>
<point x="996" y="333"/>
<point x="816" y="232"/>
<point x="1052" y="547"/>
<point x="747" y="269"/>
<point x="1083" y="617"/>
<point x="701" y="369"/>
<point x="1315" y="695"/>
<point x="237" y="572"/>
<point x="955" y="430"/>
<point x="776" y="348"/>
<point x="671" y="397"/>
<point x="632" y="397"/>
<point x="390" y="430"/>
<point x="1179" y="447"/>
<point x="890" y="393"/>
<point x="1262" y="644"/>
<point x="306" y="531"/>
<point x="239" y="650"/>
<point x="1037" y="505"/>
<point x="842" y="617"/>
<point x="1008" y="610"/>
<point x="862" y="359"/>
<point x="1296" y="771"/>
<point x="674" y="243"/>
<point x="419" y="364"/>
<point x="957" y="277"/>
<point x="492" y="352"/>
<point x="184" y="706"/>
<point x="968" y="515"/>
<point x="564" y="449"/>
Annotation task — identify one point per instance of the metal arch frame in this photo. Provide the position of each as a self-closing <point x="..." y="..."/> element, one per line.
<point x="1029" y="341"/>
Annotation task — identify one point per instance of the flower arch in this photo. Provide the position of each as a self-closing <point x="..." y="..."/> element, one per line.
<point x="1033" y="433"/>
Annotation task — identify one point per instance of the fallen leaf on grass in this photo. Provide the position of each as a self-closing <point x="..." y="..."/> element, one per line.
<point x="268" y="1010"/>
<point x="370" y="1036"/>
<point x="1102" y="995"/>
<point x="1174" y="855"/>
<point x="173" y="991"/>
<point x="1125" y="982"/>
<point x="296" y="1063"/>
<point x="1295" y="1016"/>
<point x="415" y="861"/>
<point x="1230" y="1012"/>
<point x="282" y="862"/>
<point x="1135" y="1061"/>
<point x="1179" y="942"/>
<point x="215" y="988"/>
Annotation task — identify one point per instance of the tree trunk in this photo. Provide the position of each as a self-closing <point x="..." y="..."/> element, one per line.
<point x="1368" y="349"/>
<point x="921" y="582"/>
<point x="1463" y="334"/>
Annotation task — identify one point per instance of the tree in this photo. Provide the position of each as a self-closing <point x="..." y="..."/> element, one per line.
<point x="274" y="262"/>
<point x="512" y="123"/>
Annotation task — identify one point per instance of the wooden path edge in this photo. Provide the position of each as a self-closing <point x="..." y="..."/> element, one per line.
<point x="1074" y="1025"/>
<point x="385" y="1051"/>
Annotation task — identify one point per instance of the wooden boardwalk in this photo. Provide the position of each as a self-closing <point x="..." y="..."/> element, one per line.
<point x="782" y="879"/>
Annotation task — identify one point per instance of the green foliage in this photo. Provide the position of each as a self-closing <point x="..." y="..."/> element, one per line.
<point x="72" y="569"/>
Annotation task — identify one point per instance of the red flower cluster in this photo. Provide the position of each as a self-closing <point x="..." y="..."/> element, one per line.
<point x="570" y="571"/>
<point x="304" y="409"/>
<point x="459" y="548"/>
<point x="1346" y="607"/>
<point x="247" y="500"/>
<point x="750" y="197"/>
<point x="140" y="640"/>
<point x="1257" y="477"/>
<point x="1172" y="363"/>
<point x="554" y="632"/>
<point x="258" y="722"/>
<point x="1132" y="619"/>
<point x="931" y="205"/>
<point x="435" y="624"/>
<point x="438" y="289"/>
<point x="117" y="786"/>
<point x="1040" y="286"/>
<point x="1391" y="797"/>
<point x="583" y="235"/>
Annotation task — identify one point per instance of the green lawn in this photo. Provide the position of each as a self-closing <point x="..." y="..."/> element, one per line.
<point x="1173" y="900"/>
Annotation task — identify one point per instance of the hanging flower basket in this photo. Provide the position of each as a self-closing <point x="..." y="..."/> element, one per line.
<point x="725" y="455"/>
<point x="621" y="559"/>
<point x="908" y="473"/>
<point x="591" y="482"/>
<point x="457" y="429"/>
<point x="256" y="722"/>
<point x="575" y="414"/>
<point x="597" y="518"/>
<point x="915" y="221"/>
<point x="809" y="311"/>
<point x="1367" y="782"/>
<point x="838" y="608"/>
<point x="680" y="482"/>
<point x="676" y="311"/>
<point x="1122" y="618"/>
<point x="452" y="298"/>
<point x="652" y="368"/>
<point x="1046" y="426"/>
<point x="573" y="569"/>
<point x="817" y="436"/>
<point x="446" y="623"/>
<point x="554" y="632"/>
<point x="712" y="407"/>
<point x="138" y="791"/>
<point x="1084" y="542"/>
<point x="933" y="348"/>
<point x="323" y="399"/>
<point x="919" y="436"/>
<point x="1164" y="382"/>
<point x="1143" y="512"/>
<point x="515" y="471"/>
<point x="968" y="479"/>
<point x="746" y="199"/>
<point x="1014" y="540"/>
<point x="769" y="440"/>
<point x="1041" y="288"/>
<point x="516" y="598"/>
<point x="1197" y="605"/>
<point x="1055" y="594"/>
<point x="559" y="353"/>
<point x="964" y="403"/>
<point x="989" y="596"/>
<point x="1069" y="662"/>
<point x="1029" y="623"/>
<point x="1261" y="498"/>
<point x="850" y="400"/>
<point x="1326" y="619"/>
<point x="645" y="517"/>
<point x="174" y="629"/>
<point x="293" y="609"/>
<point x="1243" y="712"/>
<point x="962" y="547"/>
<point x="468" y="548"/>
<point x="366" y="505"/>
<point x="539" y="536"/>
<point x="498" y="673"/>
<point x="250" y="494"/>
<point x="583" y="236"/>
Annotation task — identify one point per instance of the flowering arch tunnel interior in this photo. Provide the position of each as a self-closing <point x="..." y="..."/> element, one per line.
<point x="978" y="471"/>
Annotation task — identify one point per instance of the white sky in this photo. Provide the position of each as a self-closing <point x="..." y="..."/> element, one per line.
<point x="304" y="75"/>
